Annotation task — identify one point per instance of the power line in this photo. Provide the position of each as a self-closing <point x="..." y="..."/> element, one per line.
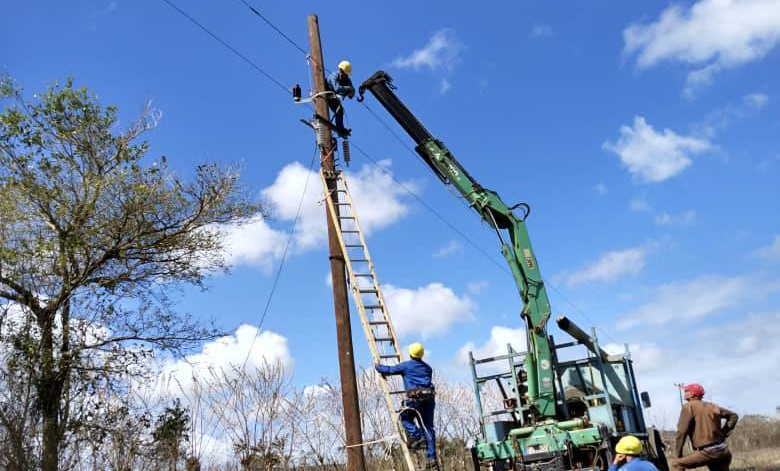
<point x="431" y="209"/>
<point x="282" y="34"/>
<point x="578" y="312"/>
<point x="283" y="259"/>
<point x="275" y="28"/>
<point x="385" y="125"/>
<point x="228" y="46"/>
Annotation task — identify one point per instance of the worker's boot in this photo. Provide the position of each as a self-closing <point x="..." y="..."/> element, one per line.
<point x="418" y="444"/>
<point x="432" y="465"/>
<point x="414" y="443"/>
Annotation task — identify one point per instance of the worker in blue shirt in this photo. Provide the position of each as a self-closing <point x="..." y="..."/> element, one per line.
<point x="340" y="85"/>
<point x="420" y="401"/>
<point x="627" y="456"/>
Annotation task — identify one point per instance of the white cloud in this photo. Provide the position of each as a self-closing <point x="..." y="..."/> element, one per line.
<point x="601" y="189"/>
<point x="476" y="287"/>
<point x="253" y="243"/>
<point x="686" y="218"/>
<point x="245" y="345"/>
<point x="610" y="266"/>
<point x="710" y="36"/>
<point x="688" y="300"/>
<point x="496" y="345"/>
<point x="376" y="196"/>
<point x="428" y="310"/>
<point x="444" y="86"/>
<point x="284" y="195"/>
<point x="721" y="118"/>
<point x="646" y="356"/>
<point x="756" y="100"/>
<point x="662" y="218"/>
<point x="639" y="205"/>
<point x="722" y="367"/>
<point x="770" y="252"/>
<point x="652" y="156"/>
<point x="449" y="248"/>
<point x="541" y="31"/>
<point x="442" y="52"/>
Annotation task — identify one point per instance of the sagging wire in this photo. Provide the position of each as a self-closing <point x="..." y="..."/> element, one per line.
<point x="227" y="45"/>
<point x="284" y="256"/>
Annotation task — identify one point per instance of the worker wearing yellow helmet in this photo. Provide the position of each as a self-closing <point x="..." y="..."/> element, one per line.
<point x="339" y="83"/>
<point x="420" y="401"/>
<point x="627" y="456"/>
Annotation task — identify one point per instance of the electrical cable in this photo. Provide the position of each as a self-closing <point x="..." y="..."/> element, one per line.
<point x="300" y="203"/>
<point x="388" y="128"/>
<point x="405" y="145"/>
<point x="430" y="208"/>
<point x="228" y="46"/>
<point x="578" y="312"/>
<point x="281" y="33"/>
<point x="284" y="257"/>
<point x="269" y="23"/>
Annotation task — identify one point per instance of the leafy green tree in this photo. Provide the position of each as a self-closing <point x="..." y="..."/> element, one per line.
<point x="94" y="240"/>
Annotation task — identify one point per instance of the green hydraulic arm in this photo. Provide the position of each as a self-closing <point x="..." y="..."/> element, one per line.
<point x="517" y="249"/>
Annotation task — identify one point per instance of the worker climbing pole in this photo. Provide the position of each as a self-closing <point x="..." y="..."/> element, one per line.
<point x="349" y="392"/>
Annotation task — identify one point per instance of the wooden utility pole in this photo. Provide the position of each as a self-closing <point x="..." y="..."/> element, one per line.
<point x="349" y="392"/>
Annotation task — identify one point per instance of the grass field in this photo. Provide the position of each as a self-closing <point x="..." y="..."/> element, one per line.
<point x="765" y="459"/>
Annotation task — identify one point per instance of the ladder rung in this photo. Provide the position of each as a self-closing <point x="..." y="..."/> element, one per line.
<point x="363" y="274"/>
<point x="349" y="232"/>
<point x="346" y="217"/>
<point x="373" y="306"/>
<point x="377" y="323"/>
<point x="343" y="204"/>
<point x="383" y="339"/>
<point x="359" y="259"/>
<point x="352" y="246"/>
<point x="368" y="291"/>
<point x="398" y="392"/>
<point x="390" y="356"/>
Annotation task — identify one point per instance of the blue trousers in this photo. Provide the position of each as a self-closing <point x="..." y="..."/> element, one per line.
<point x="410" y="419"/>
<point x="338" y="111"/>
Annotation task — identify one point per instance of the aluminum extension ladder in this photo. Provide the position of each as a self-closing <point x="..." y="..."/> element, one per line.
<point x="367" y="294"/>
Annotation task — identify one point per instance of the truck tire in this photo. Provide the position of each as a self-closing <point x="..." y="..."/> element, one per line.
<point x="657" y="449"/>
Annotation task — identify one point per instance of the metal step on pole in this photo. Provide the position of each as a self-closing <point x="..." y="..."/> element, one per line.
<point x="367" y="294"/>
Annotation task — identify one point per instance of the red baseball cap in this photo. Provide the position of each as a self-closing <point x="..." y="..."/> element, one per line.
<point x="694" y="389"/>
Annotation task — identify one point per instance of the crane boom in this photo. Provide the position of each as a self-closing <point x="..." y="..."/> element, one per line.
<point x="516" y="248"/>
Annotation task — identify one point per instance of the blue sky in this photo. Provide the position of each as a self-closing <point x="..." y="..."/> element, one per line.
<point x="644" y="136"/>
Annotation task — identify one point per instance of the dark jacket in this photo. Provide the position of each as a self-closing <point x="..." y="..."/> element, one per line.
<point x="340" y="83"/>
<point x="416" y="373"/>
<point x="702" y="422"/>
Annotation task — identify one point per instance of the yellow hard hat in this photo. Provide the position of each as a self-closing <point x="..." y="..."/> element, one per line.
<point x="629" y="445"/>
<point x="416" y="350"/>
<point x="346" y="67"/>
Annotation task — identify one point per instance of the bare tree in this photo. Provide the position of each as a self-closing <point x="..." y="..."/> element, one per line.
<point x="19" y="414"/>
<point x="93" y="242"/>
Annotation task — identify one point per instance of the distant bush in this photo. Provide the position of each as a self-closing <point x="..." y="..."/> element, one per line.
<point x="755" y="432"/>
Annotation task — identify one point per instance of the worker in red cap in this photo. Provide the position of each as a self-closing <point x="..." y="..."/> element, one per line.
<point x="702" y="423"/>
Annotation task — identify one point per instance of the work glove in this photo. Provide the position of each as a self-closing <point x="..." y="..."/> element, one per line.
<point x="349" y="92"/>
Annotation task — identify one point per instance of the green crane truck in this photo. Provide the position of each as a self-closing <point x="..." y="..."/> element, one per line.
<point x="551" y="414"/>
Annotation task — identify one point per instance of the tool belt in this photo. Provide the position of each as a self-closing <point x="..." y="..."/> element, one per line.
<point x="420" y="394"/>
<point x="713" y="447"/>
